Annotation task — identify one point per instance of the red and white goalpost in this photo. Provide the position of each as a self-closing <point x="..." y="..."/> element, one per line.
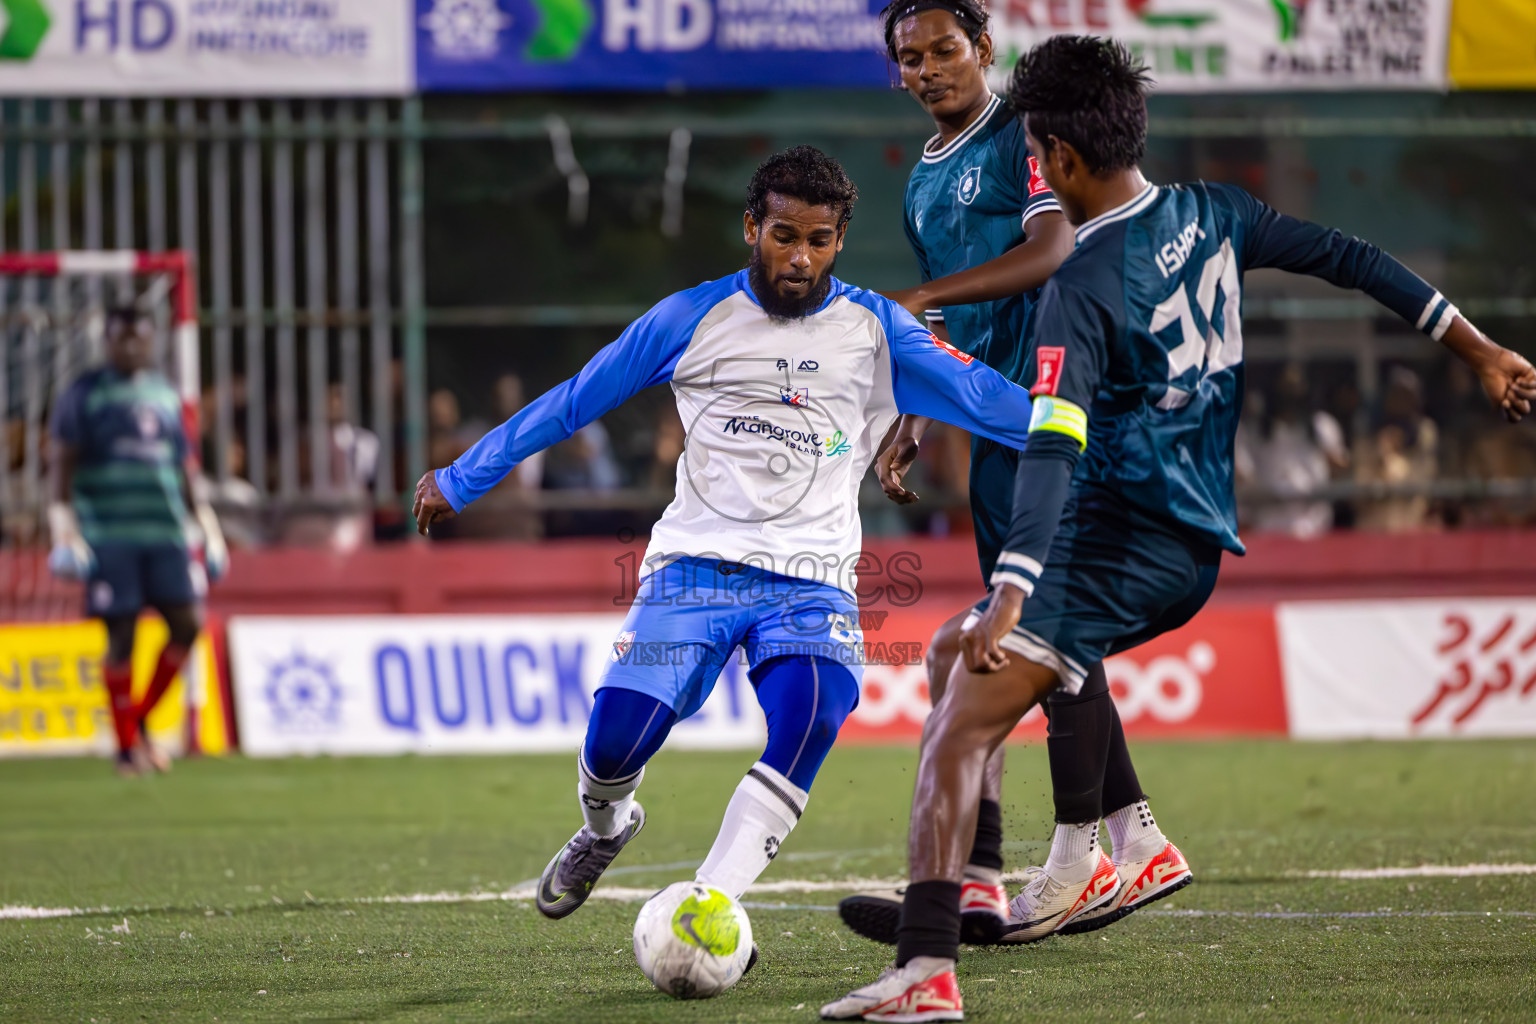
<point x="177" y="265"/>
<point x="49" y="333"/>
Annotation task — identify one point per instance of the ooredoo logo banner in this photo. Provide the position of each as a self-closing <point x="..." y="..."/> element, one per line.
<point x="1219" y="675"/>
<point x="1401" y="669"/>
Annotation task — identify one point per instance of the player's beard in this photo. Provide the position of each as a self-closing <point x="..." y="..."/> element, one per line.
<point x="777" y="306"/>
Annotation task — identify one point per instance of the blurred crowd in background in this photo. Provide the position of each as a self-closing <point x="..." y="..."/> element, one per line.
<point x="1301" y="434"/>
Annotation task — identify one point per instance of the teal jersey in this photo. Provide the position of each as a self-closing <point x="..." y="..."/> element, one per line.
<point x="1137" y="360"/>
<point x="130" y="448"/>
<point x="967" y="203"/>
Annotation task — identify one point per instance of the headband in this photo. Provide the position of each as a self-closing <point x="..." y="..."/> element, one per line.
<point x="919" y="6"/>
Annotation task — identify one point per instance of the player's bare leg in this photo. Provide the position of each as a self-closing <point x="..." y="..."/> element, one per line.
<point x="983" y="899"/>
<point x="975" y="716"/>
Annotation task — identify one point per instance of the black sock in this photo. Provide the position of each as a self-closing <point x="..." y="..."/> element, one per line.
<point x="1078" y="743"/>
<point x="930" y="922"/>
<point x="1121" y="786"/>
<point x="987" y="850"/>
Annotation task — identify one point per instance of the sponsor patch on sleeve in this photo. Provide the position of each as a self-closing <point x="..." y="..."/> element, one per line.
<point x="947" y="347"/>
<point x="1050" y="359"/>
<point x="1037" y="185"/>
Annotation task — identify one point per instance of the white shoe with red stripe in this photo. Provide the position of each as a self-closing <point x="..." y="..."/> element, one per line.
<point x="924" y="990"/>
<point x="1047" y="904"/>
<point x="1146" y="880"/>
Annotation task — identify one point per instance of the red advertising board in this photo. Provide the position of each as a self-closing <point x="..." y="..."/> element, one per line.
<point x="1217" y="676"/>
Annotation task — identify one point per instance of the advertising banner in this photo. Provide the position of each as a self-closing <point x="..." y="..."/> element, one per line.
<point x="1217" y="676"/>
<point x="205" y="47"/>
<point x="1236" y="45"/>
<point x="1493" y="44"/>
<point x="522" y="683"/>
<point x="440" y="684"/>
<point x="1399" y="669"/>
<point x="52" y="701"/>
<point x="508" y="45"/>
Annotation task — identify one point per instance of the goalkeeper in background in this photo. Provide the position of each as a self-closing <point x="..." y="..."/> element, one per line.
<point x="122" y="486"/>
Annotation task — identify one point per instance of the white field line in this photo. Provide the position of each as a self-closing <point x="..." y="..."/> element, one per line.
<point x="1422" y="871"/>
<point x="524" y="892"/>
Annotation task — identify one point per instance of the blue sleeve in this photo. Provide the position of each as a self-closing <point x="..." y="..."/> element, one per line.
<point x="1069" y="356"/>
<point x="645" y="354"/>
<point x="1271" y="239"/>
<point x="933" y="378"/>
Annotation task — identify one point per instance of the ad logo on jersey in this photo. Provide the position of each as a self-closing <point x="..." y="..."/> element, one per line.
<point x="970" y="185"/>
<point x="1051" y="358"/>
<point x="837" y="444"/>
<point x="947" y="347"/>
<point x="1037" y="185"/>
<point x="797" y="397"/>
<point x="622" y="644"/>
<point x="808" y="366"/>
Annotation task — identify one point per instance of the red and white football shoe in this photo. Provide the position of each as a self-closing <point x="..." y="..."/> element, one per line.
<point x="1047" y="904"/>
<point x="924" y="990"/>
<point x="1143" y="880"/>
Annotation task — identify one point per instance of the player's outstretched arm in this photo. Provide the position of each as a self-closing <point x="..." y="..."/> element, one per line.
<point x="1275" y="240"/>
<point x="645" y="354"/>
<point x="1048" y="240"/>
<point x="933" y="379"/>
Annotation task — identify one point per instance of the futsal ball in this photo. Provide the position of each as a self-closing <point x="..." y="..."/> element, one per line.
<point x="692" y="941"/>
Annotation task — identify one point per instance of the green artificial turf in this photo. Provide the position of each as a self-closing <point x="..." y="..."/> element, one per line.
<point x="238" y="890"/>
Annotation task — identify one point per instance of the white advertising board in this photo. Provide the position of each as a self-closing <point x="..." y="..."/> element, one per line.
<point x="206" y="47"/>
<point x="1399" y="669"/>
<point x="1240" y="45"/>
<point x="445" y="684"/>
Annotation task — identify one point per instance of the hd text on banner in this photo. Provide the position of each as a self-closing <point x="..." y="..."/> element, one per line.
<point x="206" y="48"/>
<point x="495" y="45"/>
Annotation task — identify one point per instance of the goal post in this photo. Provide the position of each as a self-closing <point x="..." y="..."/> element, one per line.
<point x="176" y="265"/>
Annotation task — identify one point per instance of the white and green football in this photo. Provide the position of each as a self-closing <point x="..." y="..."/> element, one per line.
<point x="692" y="942"/>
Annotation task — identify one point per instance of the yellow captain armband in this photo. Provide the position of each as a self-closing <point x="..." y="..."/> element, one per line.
<point x="1060" y="415"/>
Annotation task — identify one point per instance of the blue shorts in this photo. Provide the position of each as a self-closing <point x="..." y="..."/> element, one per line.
<point x="132" y="577"/>
<point x="690" y="616"/>
<point x="993" y="469"/>
<point x="1115" y="578"/>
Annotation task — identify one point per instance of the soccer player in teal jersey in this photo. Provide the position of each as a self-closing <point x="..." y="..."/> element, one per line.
<point x="987" y="233"/>
<point x="119" y="517"/>
<point x="1124" y="502"/>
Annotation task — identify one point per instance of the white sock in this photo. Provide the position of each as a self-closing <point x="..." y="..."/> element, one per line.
<point x="605" y="803"/>
<point x="1132" y="830"/>
<point x="761" y="814"/>
<point x="1073" y="851"/>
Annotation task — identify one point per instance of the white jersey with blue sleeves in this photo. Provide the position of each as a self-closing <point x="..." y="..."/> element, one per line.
<point x="781" y="419"/>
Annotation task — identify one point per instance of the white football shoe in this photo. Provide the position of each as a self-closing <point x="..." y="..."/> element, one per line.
<point x="1046" y="904"/>
<point x="926" y="989"/>
<point x="1143" y="880"/>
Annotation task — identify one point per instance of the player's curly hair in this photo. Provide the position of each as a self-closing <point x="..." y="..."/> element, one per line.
<point x="970" y="15"/>
<point x="804" y="173"/>
<point x="1088" y="92"/>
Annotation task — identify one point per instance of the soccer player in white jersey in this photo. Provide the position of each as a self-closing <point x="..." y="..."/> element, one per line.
<point x="787" y="380"/>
